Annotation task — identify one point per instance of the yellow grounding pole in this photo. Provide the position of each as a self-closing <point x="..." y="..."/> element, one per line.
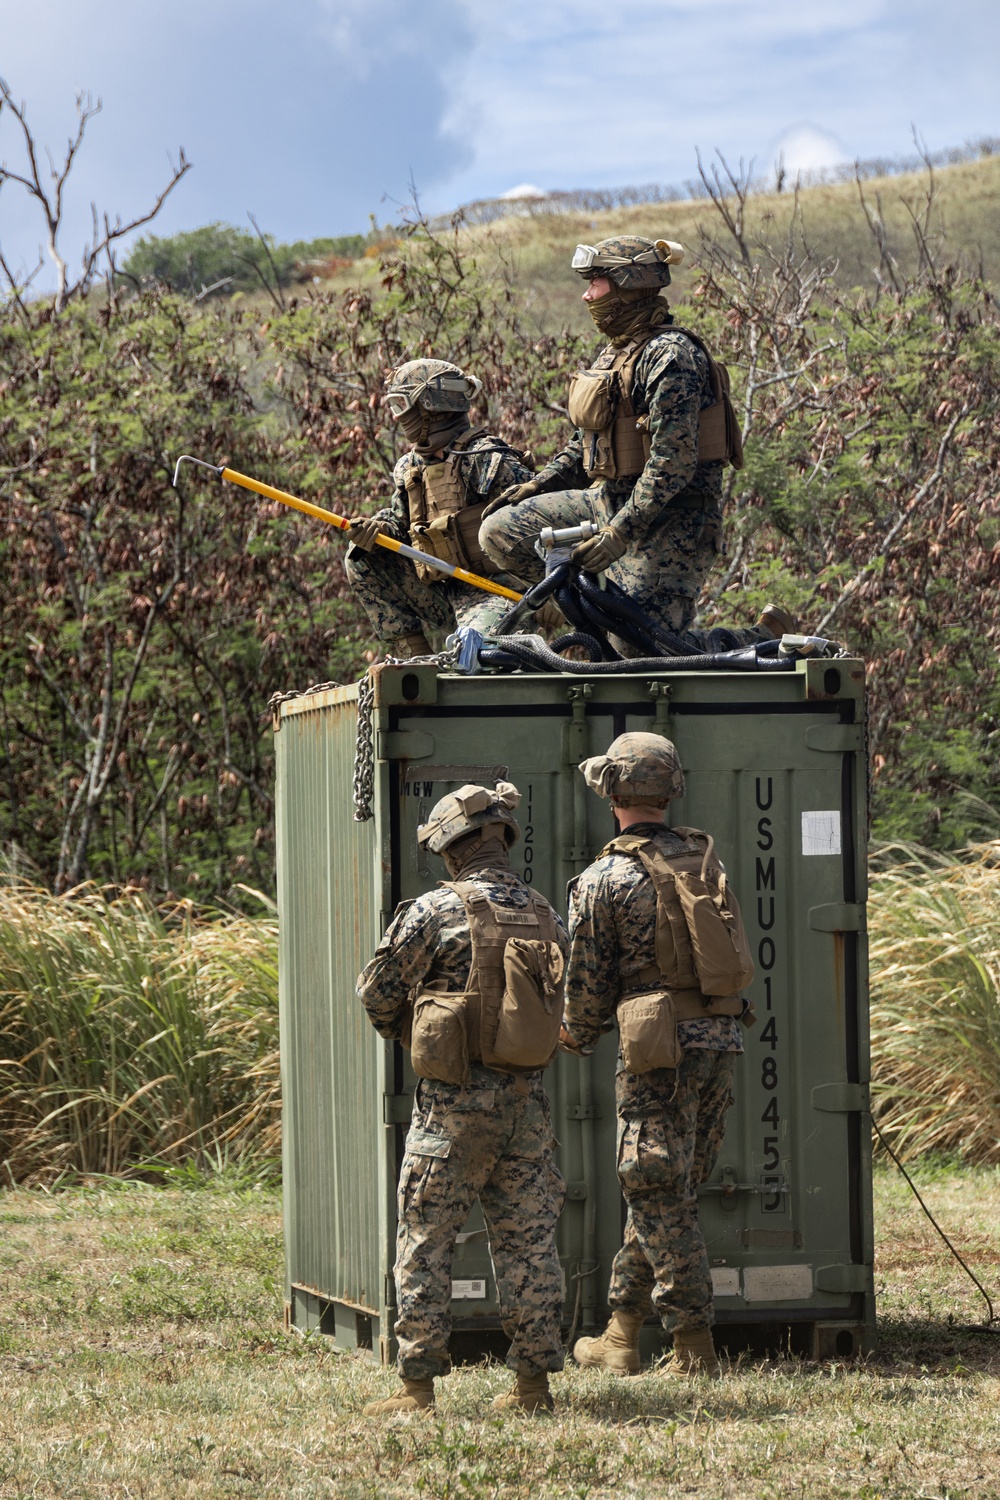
<point x="318" y="513"/>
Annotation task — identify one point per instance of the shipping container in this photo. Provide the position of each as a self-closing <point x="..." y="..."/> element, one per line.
<point x="776" y="771"/>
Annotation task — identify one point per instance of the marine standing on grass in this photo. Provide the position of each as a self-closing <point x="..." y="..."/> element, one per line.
<point x="657" y="943"/>
<point x="654" y="429"/>
<point x="469" y="976"/>
<point x="440" y="488"/>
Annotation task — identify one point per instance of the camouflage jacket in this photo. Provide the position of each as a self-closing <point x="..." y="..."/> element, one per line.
<point x="488" y="465"/>
<point x="612" y="926"/>
<point x="671" y="383"/>
<point x="429" y="939"/>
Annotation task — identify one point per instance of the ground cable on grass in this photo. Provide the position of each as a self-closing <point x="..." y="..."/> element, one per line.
<point x="988" y="1326"/>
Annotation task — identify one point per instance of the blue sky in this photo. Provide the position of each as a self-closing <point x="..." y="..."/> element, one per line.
<point x="314" y="113"/>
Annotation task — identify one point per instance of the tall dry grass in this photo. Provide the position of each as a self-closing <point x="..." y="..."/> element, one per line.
<point x="132" y="1036"/>
<point x="935" y="958"/>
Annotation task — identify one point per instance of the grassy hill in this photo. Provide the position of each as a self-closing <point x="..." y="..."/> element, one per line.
<point x="964" y="225"/>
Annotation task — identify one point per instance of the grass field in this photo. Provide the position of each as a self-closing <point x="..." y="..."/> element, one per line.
<point x="141" y="1355"/>
<point x="537" y="247"/>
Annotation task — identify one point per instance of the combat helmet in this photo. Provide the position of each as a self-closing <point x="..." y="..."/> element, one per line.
<point x="433" y="383"/>
<point x="637" y="768"/>
<point x="630" y="261"/>
<point x="463" y="812"/>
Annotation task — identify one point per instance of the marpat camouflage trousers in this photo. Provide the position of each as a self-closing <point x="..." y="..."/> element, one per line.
<point x="663" y="1155"/>
<point x="397" y="602"/>
<point x="663" y="574"/>
<point x="488" y="1141"/>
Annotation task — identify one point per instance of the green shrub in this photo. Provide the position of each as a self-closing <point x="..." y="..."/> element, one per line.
<point x="229" y="259"/>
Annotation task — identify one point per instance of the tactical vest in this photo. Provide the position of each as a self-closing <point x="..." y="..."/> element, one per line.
<point x="441" y="522"/>
<point x="616" y="441"/>
<point x="702" y="953"/>
<point x="509" y="1014"/>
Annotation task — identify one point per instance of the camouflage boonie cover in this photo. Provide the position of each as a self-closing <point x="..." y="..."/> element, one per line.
<point x="636" y="765"/>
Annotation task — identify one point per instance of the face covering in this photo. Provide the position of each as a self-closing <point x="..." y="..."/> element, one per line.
<point x="486" y="849"/>
<point x="620" y="315"/>
<point x="430" y="431"/>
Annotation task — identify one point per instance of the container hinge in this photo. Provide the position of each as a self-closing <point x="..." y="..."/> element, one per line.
<point x="843" y="1279"/>
<point x="576" y="734"/>
<point x="397" y="1108"/>
<point x="576" y="1191"/>
<point x="837" y="739"/>
<point x="573" y="853"/>
<point x="404" y="744"/>
<point x="583" y="1112"/>
<point x="837" y="916"/>
<point x="840" y="1098"/>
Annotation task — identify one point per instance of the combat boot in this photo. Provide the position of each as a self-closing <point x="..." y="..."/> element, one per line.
<point x="777" y="621"/>
<point x="530" y="1393"/>
<point x="416" y="644"/>
<point x="694" y="1354"/>
<point x="617" y="1348"/>
<point x="416" y="1395"/>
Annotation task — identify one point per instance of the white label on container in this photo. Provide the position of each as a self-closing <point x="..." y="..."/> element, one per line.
<point x="725" y="1281"/>
<point x="777" y="1283"/>
<point x="470" y="1291"/>
<point x="821" y="832"/>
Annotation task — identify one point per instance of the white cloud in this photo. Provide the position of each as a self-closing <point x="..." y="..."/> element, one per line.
<point x="580" y="93"/>
<point x="805" y="148"/>
<point x="524" y="190"/>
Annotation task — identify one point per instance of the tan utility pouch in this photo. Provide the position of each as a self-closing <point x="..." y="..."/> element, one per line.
<point x="454" y="539"/>
<point x="647" y="1032"/>
<point x="439" y="1040"/>
<point x="531" y="1008"/>
<point x="722" y="958"/>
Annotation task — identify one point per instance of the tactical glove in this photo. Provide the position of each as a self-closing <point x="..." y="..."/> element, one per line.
<point x="364" y="530"/>
<point x="600" y="551"/>
<point x="513" y="495"/>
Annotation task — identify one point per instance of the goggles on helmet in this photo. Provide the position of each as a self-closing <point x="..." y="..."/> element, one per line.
<point x="586" y="258"/>
<point x="402" y="400"/>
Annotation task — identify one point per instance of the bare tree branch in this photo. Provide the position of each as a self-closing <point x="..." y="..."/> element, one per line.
<point x="50" y="197"/>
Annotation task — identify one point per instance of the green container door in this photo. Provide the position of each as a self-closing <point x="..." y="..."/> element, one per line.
<point x="775" y="772"/>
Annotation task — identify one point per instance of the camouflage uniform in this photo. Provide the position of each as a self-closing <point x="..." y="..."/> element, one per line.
<point x="396" y="601"/>
<point x="671" y="514"/>
<point x="670" y="1121"/>
<point x="490" y="1138"/>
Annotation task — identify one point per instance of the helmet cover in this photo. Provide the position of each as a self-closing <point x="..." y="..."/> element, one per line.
<point x="471" y="807"/>
<point x="433" y="383"/>
<point x="630" y="261"/>
<point x="637" y="767"/>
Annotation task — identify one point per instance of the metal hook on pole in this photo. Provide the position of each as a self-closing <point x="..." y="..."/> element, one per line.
<point x="186" y="458"/>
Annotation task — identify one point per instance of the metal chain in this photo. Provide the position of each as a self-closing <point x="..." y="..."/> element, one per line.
<point x="364" y="752"/>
